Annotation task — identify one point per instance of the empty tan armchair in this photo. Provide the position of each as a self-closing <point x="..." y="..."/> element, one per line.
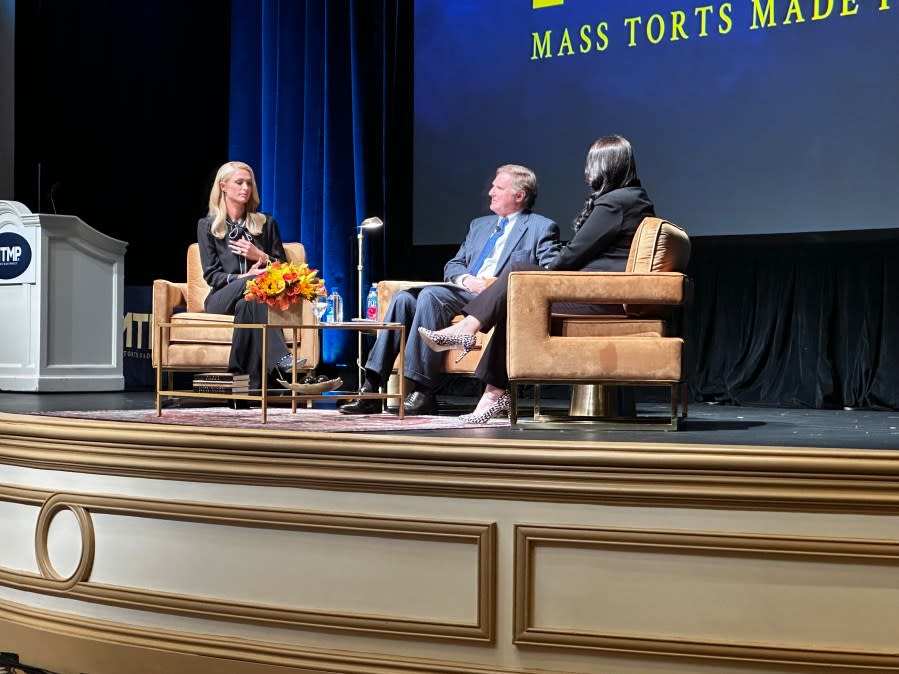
<point x="637" y="349"/>
<point x="190" y="345"/>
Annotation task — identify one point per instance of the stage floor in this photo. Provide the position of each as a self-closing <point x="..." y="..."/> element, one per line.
<point x="706" y="424"/>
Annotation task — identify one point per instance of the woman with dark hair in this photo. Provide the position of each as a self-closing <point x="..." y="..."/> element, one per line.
<point x="603" y="232"/>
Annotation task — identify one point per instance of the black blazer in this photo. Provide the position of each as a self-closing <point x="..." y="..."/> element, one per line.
<point x="218" y="260"/>
<point x="604" y="241"/>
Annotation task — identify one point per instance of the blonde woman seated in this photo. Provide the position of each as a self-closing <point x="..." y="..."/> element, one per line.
<point x="236" y="243"/>
<point x="603" y="231"/>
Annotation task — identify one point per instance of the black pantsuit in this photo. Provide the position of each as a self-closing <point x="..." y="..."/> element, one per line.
<point x="221" y="270"/>
<point x="246" y="343"/>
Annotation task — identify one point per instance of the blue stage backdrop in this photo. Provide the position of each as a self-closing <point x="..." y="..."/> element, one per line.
<point x="307" y="112"/>
<point x="747" y="116"/>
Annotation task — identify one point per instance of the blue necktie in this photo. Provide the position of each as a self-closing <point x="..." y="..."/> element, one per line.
<point x="488" y="247"/>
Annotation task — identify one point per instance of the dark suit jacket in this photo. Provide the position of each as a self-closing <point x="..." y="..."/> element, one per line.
<point x="604" y="240"/>
<point x="534" y="240"/>
<point x="218" y="260"/>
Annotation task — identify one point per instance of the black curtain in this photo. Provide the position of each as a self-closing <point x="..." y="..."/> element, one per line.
<point x="796" y="321"/>
<point x="122" y="119"/>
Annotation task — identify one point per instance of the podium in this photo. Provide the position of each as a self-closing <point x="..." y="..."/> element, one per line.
<point x="62" y="293"/>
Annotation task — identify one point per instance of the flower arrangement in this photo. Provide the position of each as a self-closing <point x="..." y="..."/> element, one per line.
<point x="282" y="284"/>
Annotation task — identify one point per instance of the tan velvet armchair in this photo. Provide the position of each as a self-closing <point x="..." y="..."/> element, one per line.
<point x="386" y="291"/>
<point x="633" y="350"/>
<point x="192" y="347"/>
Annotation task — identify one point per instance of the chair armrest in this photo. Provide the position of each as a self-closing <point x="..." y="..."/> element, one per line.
<point x="387" y="289"/>
<point x="534" y="353"/>
<point x="546" y="287"/>
<point x="310" y="347"/>
<point x="167" y="296"/>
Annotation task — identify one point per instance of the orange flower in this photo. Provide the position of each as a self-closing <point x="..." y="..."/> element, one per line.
<point x="284" y="283"/>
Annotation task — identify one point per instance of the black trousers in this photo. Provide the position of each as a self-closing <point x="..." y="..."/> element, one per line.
<point x="246" y="343"/>
<point x="490" y="308"/>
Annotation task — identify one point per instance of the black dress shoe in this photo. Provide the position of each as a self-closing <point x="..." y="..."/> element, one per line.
<point x="420" y="402"/>
<point x="362" y="406"/>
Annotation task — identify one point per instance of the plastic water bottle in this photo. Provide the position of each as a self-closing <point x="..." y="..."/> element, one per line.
<point x="371" y="303"/>
<point x="334" y="312"/>
<point x="331" y="311"/>
<point x="338" y="304"/>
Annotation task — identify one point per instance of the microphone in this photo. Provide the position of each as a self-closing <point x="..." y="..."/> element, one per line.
<point x="52" y="193"/>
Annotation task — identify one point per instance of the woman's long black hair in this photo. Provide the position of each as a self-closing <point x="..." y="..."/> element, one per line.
<point x="610" y="165"/>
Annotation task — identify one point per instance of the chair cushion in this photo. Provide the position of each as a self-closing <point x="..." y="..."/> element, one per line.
<point x="658" y="246"/>
<point x="197" y="288"/>
<point x="189" y="326"/>
<point x="194" y="328"/>
<point x="198" y="356"/>
<point x="580" y="325"/>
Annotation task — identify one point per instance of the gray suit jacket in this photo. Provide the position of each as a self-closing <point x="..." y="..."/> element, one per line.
<point x="535" y="240"/>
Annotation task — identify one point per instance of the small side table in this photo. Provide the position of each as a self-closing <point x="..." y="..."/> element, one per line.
<point x="263" y="396"/>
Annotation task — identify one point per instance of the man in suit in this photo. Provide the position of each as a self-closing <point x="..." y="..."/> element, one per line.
<point x="514" y="233"/>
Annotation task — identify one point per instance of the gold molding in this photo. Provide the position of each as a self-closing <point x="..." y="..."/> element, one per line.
<point x="599" y="472"/>
<point x="144" y="644"/>
<point x="51" y="507"/>
<point x="528" y="537"/>
<point x="78" y="586"/>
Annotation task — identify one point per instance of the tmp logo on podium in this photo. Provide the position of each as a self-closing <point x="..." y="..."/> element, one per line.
<point x="16" y="258"/>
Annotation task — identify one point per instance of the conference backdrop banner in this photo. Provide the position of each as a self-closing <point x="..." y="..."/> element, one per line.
<point x="746" y="116"/>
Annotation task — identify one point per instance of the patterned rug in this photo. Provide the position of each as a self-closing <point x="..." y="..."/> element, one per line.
<point x="307" y="420"/>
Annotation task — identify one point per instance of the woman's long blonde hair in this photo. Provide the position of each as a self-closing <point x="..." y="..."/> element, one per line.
<point x="217" y="210"/>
